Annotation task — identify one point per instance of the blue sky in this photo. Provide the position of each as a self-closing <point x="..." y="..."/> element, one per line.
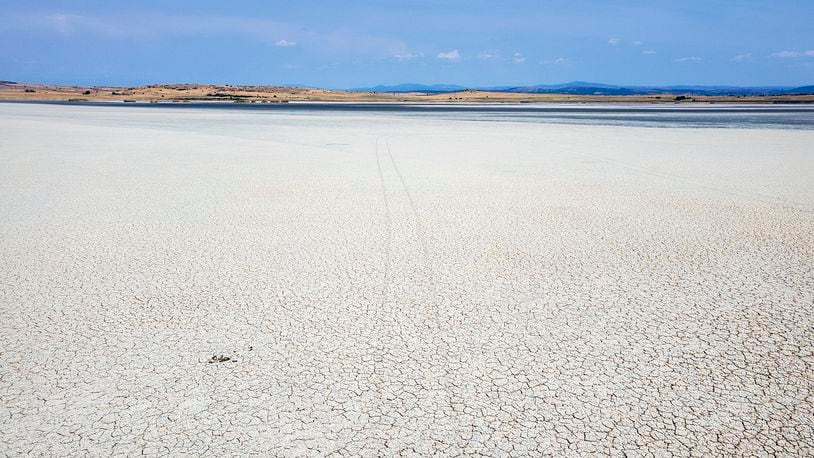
<point x="357" y="43"/>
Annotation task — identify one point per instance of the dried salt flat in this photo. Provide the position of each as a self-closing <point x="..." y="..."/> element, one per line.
<point x="204" y="281"/>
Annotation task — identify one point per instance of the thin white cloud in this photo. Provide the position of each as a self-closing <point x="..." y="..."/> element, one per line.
<point x="637" y="43"/>
<point x="648" y="52"/>
<point x="450" y="56"/>
<point x="284" y="44"/>
<point x="614" y="41"/>
<point x="792" y="54"/>
<point x="786" y="55"/>
<point x="140" y="27"/>
<point x="518" y="58"/>
<point x="557" y="61"/>
<point x="742" y="57"/>
<point x="65" y="24"/>
<point x="71" y="24"/>
<point x="488" y="55"/>
<point x="688" y="60"/>
<point x="407" y="56"/>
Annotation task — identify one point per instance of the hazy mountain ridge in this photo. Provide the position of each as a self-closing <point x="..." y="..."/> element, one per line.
<point x="587" y="88"/>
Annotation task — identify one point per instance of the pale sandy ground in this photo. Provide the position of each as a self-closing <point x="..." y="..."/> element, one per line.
<point x="391" y="285"/>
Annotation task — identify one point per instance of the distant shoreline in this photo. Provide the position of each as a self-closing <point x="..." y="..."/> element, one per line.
<point x="180" y="93"/>
<point x="573" y="106"/>
<point x="685" y="115"/>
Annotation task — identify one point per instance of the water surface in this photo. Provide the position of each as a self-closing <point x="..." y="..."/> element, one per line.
<point x="778" y="116"/>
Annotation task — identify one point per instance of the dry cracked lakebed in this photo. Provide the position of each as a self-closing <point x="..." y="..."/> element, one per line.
<point x="408" y="285"/>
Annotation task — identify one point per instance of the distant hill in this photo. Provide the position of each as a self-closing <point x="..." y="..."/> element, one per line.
<point x="802" y="90"/>
<point x="579" y="88"/>
<point x="586" y="88"/>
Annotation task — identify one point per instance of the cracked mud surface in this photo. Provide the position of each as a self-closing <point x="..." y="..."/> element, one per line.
<point x="397" y="285"/>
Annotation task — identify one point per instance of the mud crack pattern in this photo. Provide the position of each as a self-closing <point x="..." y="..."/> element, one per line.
<point x="216" y="283"/>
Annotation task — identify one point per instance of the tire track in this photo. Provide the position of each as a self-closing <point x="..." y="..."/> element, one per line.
<point x="422" y="235"/>
<point x="388" y="244"/>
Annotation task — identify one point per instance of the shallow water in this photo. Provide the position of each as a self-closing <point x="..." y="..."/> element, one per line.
<point x="681" y="116"/>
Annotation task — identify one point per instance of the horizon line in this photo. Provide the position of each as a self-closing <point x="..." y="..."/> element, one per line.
<point x="366" y="88"/>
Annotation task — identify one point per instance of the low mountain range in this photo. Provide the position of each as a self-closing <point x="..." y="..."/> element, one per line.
<point x="586" y="88"/>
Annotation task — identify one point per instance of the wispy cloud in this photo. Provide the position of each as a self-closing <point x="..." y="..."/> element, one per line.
<point x="68" y="24"/>
<point x="494" y="55"/>
<point x="557" y="61"/>
<point x="407" y="56"/>
<point x="140" y="27"/>
<point x="786" y="55"/>
<point x="792" y="54"/>
<point x="449" y="56"/>
<point x="742" y="57"/>
<point x="616" y="41"/>
<point x="689" y="60"/>
<point x="648" y="52"/>
<point x="488" y="55"/>
<point x="65" y="24"/>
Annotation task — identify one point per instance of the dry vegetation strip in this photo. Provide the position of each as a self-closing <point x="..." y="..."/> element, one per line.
<point x="277" y="94"/>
